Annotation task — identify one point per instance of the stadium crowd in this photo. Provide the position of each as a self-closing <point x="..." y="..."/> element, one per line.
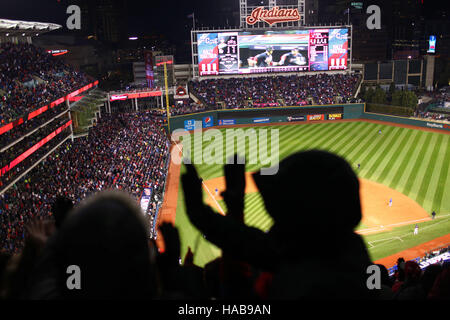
<point x="31" y="78"/>
<point x="107" y="236"/>
<point x="276" y="91"/>
<point x="186" y="106"/>
<point x="126" y="152"/>
<point x="27" y="126"/>
<point x="10" y="173"/>
<point x="20" y="146"/>
<point x="437" y="107"/>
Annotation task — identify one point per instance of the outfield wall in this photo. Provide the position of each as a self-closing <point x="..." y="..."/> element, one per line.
<point x="267" y="115"/>
<point x="406" y="121"/>
<point x="291" y="114"/>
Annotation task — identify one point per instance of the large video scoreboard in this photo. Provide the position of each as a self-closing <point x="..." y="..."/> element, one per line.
<point x="222" y="53"/>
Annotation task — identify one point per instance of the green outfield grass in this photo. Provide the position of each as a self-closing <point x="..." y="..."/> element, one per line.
<point x="413" y="162"/>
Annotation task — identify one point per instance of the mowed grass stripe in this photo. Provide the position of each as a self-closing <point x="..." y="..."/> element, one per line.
<point x="443" y="176"/>
<point x="407" y="158"/>
<point x="357" y="153"/>
<point x="262" y="221"/>
<point x="288" y="137"/>
<point x="410" y="165"/>
<point x="395" y="156"/>
<point x="355" y="142"/>
<point x="255" y="212"/>
<point x="429" y="171"/>
<point x="422" y="171"/>
<point x="337" y="139"/>
<point x="418" y="163"/>
<point x="339" y="142"/>
<point x="287" y="147"/>
<point x="326" y="135"/>
<point x="367" y="157"/>
<point x="358" y="133"/>
<point x="434" y="181"/>
<point x="381" y="155"/>
<point x="313" y="142"/>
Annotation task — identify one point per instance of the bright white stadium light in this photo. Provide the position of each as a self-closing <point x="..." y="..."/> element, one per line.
<point x="132" y="38"/>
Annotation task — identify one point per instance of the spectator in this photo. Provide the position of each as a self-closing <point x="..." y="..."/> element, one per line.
<point x="411" y="288"/>
<point x="339" y="274"/>
<point x="107" y="238"/>
<point x="60" y="210"/>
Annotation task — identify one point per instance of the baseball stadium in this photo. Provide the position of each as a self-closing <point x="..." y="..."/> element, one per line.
<point x="282" y="158"/>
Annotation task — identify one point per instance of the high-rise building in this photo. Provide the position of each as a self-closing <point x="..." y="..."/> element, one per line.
<point x="105" y="20"/>
<point x="311" y="12"/>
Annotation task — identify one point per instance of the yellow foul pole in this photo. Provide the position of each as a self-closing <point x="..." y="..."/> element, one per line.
<point x="167" y="97"/>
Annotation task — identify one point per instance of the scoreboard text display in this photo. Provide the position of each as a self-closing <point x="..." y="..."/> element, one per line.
<point x="272" y="51"/>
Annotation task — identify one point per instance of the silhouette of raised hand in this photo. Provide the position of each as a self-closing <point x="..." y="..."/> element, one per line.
<point x="193" y="197"/>
<point x="171" y="242"/>
<point x="235" y="188"/>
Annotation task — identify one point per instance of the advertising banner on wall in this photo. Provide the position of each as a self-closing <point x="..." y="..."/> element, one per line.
<point x="208" y="53"/>
<point x="261" y="120"/>
<point x="208" y="122"/>
<point x="335" y="116"/>
<point x="337" y="49"/>
<point x="315" y="117"/>
<point x="189" y="124"/>
<point x="149" y="69"/>
<point x="295" y="118"/>
<point x="227" y="122"/>
<point x="145" y="199"/>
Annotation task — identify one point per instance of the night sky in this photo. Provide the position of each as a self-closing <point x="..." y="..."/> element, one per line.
<point x="147" y="15"/>
<point x="168" y="17"/>
<point x="150" y="17"/>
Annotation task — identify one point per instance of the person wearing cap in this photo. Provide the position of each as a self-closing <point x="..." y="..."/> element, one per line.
<point x="314" y="201"/>
<point x="263" y="59"/>
<point x="293" y="58"/>
<point x="106" y="237"/>
<point x="411" y="288"/>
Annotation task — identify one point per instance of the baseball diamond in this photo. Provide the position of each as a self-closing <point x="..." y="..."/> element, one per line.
<point x="391" y="167"/>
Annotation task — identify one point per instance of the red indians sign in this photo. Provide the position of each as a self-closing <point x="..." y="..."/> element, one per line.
<point x="272" y="16"/>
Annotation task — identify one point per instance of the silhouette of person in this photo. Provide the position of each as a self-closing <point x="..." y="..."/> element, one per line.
<point x="60" y="209"/>
<point x="307" y="256"/>
<point x="106" y="236"/>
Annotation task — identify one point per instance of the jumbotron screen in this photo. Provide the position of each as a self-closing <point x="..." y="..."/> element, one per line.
<point x="272" y="51"/>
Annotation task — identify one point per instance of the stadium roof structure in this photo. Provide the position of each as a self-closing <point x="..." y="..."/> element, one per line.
<point x="25" y="28"/>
